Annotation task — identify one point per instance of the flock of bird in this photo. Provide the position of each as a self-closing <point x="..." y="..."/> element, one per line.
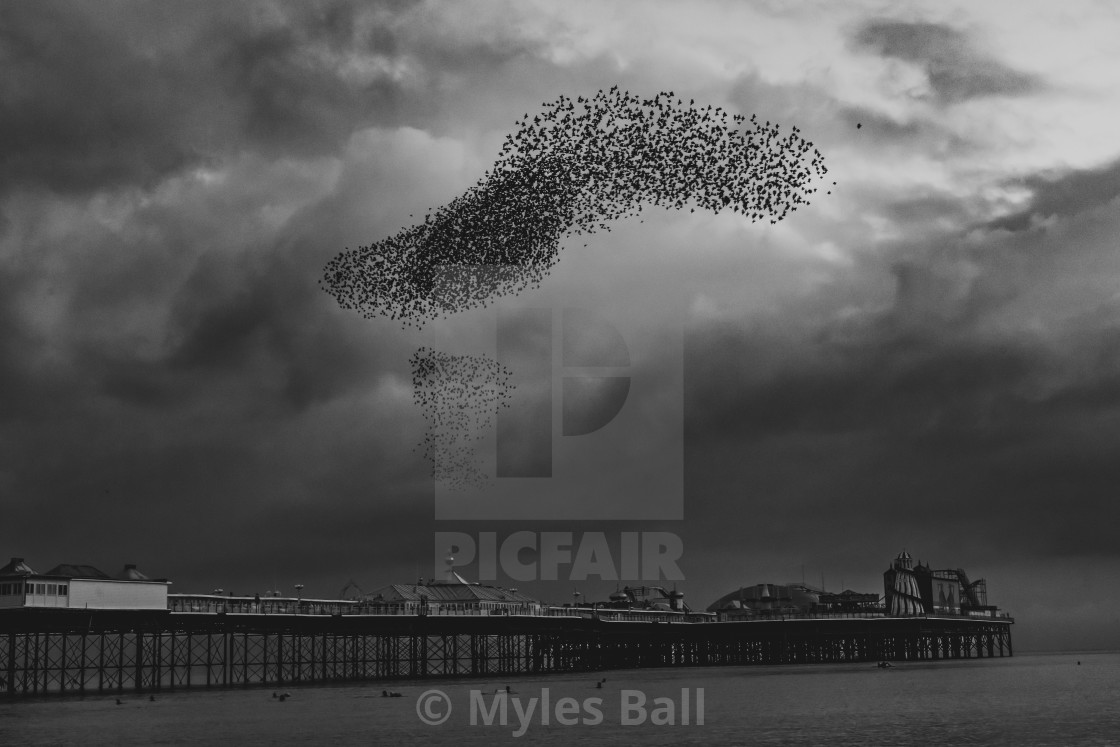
<point x="459" y="397"/>
<point x="570" y="170"/>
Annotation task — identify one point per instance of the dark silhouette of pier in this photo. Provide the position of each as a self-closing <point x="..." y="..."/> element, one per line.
<point x="46" y="651"/>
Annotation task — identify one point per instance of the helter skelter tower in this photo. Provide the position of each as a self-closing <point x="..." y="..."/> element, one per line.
<point x="900" y="587"/>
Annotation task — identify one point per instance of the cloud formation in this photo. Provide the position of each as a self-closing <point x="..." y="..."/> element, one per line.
<point x="929" y="358"/>
<point x="955" y="69"/>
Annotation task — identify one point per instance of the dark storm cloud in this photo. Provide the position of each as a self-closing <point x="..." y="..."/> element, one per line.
<point x="938" y="396"/>
<point x="161" y="386"/>
<point x="219" y="466"/>
<point x="214" y="497"/>
<point x="125" y="93"/>
<point x="1062" y="196"/>
<point x="957" y="71"/>
<point x="257" y="326"/>
<point x="72" y="124"/>
<point x="14" y="347"/>
<point x="84" y="104"/>
<point x="921" y="418"/>
<point x="232" y="405"/>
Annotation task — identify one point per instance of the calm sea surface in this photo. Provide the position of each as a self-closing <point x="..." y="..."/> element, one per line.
<point x="1041" y="699"/>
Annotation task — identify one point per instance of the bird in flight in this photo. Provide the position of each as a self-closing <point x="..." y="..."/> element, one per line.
<point x="573" y="169"/>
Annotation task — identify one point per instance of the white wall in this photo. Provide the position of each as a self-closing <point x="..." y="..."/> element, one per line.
<point x="117" y="595"/>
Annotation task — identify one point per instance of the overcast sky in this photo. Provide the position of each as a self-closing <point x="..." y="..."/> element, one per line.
<point x="927" y="358"/>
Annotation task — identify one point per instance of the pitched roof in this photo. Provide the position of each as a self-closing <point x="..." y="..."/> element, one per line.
<point x="131" y="574"/>
<point x="76" y="571"/>
<point x="449" y="592"/>
<point x="16" y="567"/>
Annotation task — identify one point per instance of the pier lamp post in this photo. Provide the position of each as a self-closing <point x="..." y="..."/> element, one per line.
<point x="299" y="596"/>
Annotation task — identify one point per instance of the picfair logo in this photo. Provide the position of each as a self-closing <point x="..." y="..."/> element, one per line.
<point x="591" y="393"/>
<point x="591" y="426"/>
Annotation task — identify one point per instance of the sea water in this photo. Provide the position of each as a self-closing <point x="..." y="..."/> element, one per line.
<point x="1027" y="700"/>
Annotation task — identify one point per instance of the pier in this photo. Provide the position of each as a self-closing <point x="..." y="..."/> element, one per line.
<point x="52" y="652"/>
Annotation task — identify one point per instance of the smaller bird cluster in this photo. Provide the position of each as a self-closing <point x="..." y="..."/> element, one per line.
<point x="459" y="397"/>
<point x="573" y="169"/>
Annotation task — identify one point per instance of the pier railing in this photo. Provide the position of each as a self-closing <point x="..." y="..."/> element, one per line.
<point x="869" y="614"/>
<point x="218" y="604"/>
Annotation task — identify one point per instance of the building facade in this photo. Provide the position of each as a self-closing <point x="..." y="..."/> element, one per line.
<point x="79" y="587"/>
<point x="457" y="597"/>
